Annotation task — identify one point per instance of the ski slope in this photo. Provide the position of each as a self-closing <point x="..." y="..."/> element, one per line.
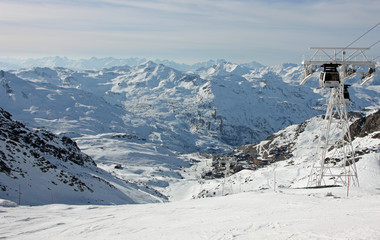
<point x="289" y="214"/>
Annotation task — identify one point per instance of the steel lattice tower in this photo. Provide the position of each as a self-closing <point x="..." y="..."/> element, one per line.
<point x="334" y="162"/>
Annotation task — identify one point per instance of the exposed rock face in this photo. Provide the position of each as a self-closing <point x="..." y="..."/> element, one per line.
<point x="283" y="144"/>
<point x="39" y="144"/>
<point x="43" y="164"/>
<point x="38" y="149"/>
<point x="366" y="125"/>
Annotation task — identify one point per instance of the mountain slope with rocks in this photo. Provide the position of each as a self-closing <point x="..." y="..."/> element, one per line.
<point x="296" y="146"/>
<point x="37" y="167"/>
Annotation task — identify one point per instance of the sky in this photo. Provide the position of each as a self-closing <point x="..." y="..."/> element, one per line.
<point x="186" y="31"/>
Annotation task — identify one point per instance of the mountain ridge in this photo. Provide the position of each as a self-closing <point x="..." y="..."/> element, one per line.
<point x="99" y="63"/>
<point x="225" y="104"/>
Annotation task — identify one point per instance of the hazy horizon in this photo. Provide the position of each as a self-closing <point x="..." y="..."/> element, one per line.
<point x="270" y="32"/>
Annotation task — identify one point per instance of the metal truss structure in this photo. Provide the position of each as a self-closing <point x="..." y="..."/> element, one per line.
<point x="335" y="161"/>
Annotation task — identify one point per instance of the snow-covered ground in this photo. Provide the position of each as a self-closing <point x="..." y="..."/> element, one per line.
<point x="289" y="214"/>
<point x="270" y="203"/>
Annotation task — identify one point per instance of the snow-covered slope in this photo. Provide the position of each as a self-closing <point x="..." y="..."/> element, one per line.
<point x="297" y="214"/>
<point x="66" y="111"/>
<point x="268" y="203"/>
<point x="37" y="167"/>
<point x="289" y="155"/>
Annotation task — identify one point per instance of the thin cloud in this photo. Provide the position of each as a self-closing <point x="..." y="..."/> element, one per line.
<point x="166" y="28"/>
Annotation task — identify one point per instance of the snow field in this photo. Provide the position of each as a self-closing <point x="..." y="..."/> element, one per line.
<point x="291" y="214"/>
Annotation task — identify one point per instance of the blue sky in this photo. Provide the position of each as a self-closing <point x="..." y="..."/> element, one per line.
<point x="267" y="31"/>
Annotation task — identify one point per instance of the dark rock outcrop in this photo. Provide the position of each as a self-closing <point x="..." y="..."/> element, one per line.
<point x="39" y="143"/>
<point x="366" y="125"/>
<point x="253" y="156"/>
<point x="42" y="164"/>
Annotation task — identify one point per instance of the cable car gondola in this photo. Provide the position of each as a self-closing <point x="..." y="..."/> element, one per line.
<point x="346" y="94"/>
<point x="330" y="76"/>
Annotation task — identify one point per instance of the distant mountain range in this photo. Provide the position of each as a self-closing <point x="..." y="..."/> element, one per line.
<point x="211" y="109"/>
<point x="100" y="63"/>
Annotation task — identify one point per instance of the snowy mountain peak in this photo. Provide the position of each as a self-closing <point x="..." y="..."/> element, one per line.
<point x="253" y="65"/>
<point x="147" y="65"/>
<point x="223" y="69"/>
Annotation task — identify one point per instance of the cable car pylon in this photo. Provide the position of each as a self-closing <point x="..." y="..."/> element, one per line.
<point x="334" y="162"/>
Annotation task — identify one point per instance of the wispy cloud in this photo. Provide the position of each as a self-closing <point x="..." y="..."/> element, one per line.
<point x="271" y="31"/>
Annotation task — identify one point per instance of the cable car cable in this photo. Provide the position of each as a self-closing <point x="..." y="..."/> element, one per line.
<point x="366" y="50"/>
<point x="359" y="37"/>
<point x="374" y="44"/>
<point x="363" y="35"/>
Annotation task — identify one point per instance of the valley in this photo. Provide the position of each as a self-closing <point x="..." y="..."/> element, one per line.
<point x="162" y="137"/>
